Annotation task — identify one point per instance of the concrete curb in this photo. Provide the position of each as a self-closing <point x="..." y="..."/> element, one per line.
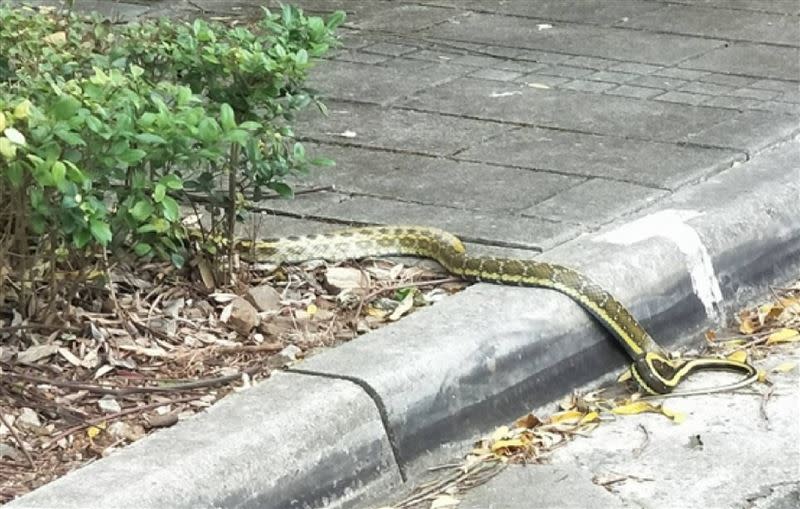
<point x="344" y="426"/>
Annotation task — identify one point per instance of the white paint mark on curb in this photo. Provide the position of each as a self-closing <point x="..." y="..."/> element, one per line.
<point x="671" y="224"/>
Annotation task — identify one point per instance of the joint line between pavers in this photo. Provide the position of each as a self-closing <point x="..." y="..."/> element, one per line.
<point x="567" y="130"/>
<point x="379" y="405"/>
<point x="614" y="25"/>
<point x="458" y="159"/>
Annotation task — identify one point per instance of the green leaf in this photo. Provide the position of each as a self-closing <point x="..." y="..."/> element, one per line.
<point x="323" y="161"/>
<point x="226" y="117"/>
<point x="250" y="125"/>
<point x="208" y="130"/>
<point x="159" y="193"/>
<point x="282" y="189"/>
<point x="172" y="181"/>
<point x="238" y="136"/>
<point x="177" y="260"/>
<point x="65" y="107"/>
<point x="100" y="231"/>
<point x="301" y="57"/>
<point x="142" y="248"/>
<point x="81" y="237"/>
<point x="95" y="124"/>
<point x="58" y="171"/>
<point x="316" y="26"/>
<point x="70" y="138"/>
<point x="170" y="207"/>
<point x="151" y="139"/>
<point x="142" y="210"/>
<point x="299" y="151"/>
<point x="336" y="19"/>
<point x="132" y="155"/>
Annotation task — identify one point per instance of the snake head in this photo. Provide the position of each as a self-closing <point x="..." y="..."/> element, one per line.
<point x="657" y="374"/>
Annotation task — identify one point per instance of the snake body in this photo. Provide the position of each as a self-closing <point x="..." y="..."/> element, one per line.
<point x="652" y="368"/>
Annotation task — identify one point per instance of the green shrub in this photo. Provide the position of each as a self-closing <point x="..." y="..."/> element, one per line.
<point x="105" y="132"/>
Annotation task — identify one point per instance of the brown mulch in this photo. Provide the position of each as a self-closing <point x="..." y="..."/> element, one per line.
<point x="154" y="347"/>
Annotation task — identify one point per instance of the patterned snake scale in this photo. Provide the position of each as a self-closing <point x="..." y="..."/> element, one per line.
<point x="652" y="369"/>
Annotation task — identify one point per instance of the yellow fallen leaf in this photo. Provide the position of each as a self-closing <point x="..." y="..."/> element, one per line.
<point x="784" y="367"/>
<point x="567" y="416"/>
<point x="508" y="444"/>
<point x="738" y="356"/>
<point x="637" y="407"/>
<point x="312" y="309"/>
<point x="762" y="376"/>
<point x="677" y="417"/>
<point x="93" y="431"/>
<point x="590" y="417"/>
<point x="783" y="336"/>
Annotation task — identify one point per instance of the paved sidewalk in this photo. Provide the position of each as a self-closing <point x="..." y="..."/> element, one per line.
<point x="527" y="128"/>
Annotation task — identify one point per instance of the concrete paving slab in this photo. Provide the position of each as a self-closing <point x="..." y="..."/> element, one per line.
<point x="401" y="130"/>
<point x="647" y="461"/>
<point x="693" y="464"/>
<point x="434" y="181"/>
<point x="291" y="441"/>
<point x="376" y="84"/>
<point x="595" y="202"/>
<point x="751" y="60"/>
<point x="556" y="486"/>
<point x="404" y="18"/>
<point x="616" y="43"/>
<point x="720" y="23"/>
<point x="601" y="12"/>
<point x="777" y="6"/>
<point x="748" y="131"/>
<point x="662" y="165"/>
<point x="613" y="115"/>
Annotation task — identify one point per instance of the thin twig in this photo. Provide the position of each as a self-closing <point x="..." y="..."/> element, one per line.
<point x="126" y="391"/>
<point x="18" y="440"/>
<point x="116" y="415"/>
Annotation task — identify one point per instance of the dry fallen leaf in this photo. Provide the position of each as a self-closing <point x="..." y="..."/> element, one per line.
<point x="784" y="367"/>
<point x="738" y="356"/>
<point x="444" y="502"/>
<point x="569" y="416"/>
<point x="783" y="336"/>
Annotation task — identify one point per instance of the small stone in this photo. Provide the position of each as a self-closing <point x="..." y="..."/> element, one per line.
<point x="120" y="429"/>
<point x="243" y="316"/>
<point x="28" y="419"/>
<point x="10" y="420"/>
<point x="291" y="352"/>
<point x="284" y="357"/>
<point x="346" y="278"/>
<point x="264" y="298"/>
<point x="109" y="405"/>
<point x="12" y="453"/>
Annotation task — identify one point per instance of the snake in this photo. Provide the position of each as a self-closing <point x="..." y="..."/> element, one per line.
<point x="652" y="368"/>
